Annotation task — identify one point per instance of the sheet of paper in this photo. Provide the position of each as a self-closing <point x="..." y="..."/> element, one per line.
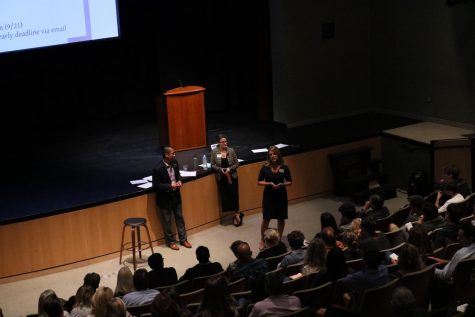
<point x="259" y="150"/>
<point x="239" y="160"/>
<point x="188" y="173"/>
<point x="146" y="185"/>
<point x="208" y="165"/>
<point x="148" y="178"/>
<point x="138" y="181"/>
<point x="213" y="146"/>
<point x="280" y="145"/>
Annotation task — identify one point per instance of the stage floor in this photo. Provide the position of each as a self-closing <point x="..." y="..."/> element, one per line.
<point x="70" y="168"/>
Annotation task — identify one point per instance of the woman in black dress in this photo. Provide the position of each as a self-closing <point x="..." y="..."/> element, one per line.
<point x="225" y="163"/>
<point x="275" y="176"/>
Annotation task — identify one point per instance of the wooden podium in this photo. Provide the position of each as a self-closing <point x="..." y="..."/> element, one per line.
<point x="181" y="118"/>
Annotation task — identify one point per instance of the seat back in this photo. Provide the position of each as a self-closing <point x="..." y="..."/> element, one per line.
<point x="238" y="285"/>
<point x="293" y="269"/>
<point x="294" y="285"/>
<point x="356" y="265"/>
<point x="199" y="282"/>
<point x="302" y="312"/>
<point x="395" y="237"/>
<point x="375" y="301"/>
<point x="467" y="219"/>
<point x="464" y="280"/>
<point x="181" y="287"/>
<point x="192" y="297"/>
<point x="450" y="250"/>
<point x="140" y="309"/>
<point x="317" y="297"/>
<point x="382" y="224"/>
<point x="399" y="216"/>
<point x="394" y="249"/>
<point x="420" y="283"/>
<point x="272" y="261"/>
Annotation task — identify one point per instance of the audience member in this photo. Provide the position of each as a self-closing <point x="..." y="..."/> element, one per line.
<point x="92" y="279"/>
<point x="160" y="275"/>
<point x="273" y="246"/>
<point x="466" y="237"/>
<point x="348" y="213"/>
<point x="164" y="306"/>
<point x="336" y="265"/>
<point x="116" y="308"/>
<point x="430" y="219"/>
<point x="204" y="266"/>
<point x="314" y="259"/>
<point x="451" y="190"/>
<point x="355" y="226"/>
<point x="352" y="248"/>
<point x="53" y="308"/>
<point x="419" y="238"/>
<point x="372" y="237"/>
<point x="100" y="301"/>
<point x="329" y="238"/>
<point x="296" y="242"/>
<point x="83" y="302"/>
<point x="142" y="294"/>
<point x="409" y="260"/>
<point x="375" y="208"/>
<point x="416" y="202"/>
<point x="403" y="303"/>
<point x="245" y="265"/>
<point x="448" y="233"/>
<point x="277" y="303"/>
<point x="327" y="220"/>
<point x="217" y="301"/>
<point x="451" y="174"/>
<point x="234" y="249"/>
<point x="125" y="281"/>
<point x="44" y="297"/>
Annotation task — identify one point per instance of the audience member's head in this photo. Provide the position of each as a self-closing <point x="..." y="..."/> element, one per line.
<point x="141" y="279"/>
<point x="155" y="261"/>
<point x="234" y="247"/>
<point x="348" y="212"/>
<point x="455" y="212"/>
<point x="164" y="306"/>
<point x="316" y="254"/>
<point x="466" y="234"/>
<point x="409" y="258"/>
<point x="450" y="173"/>
<point x="370" y="226"/>
<point x="403" y="302"/>
<point x="100" y="301"/>
<point x="217" y="300"/>
<point x="416" y="202"/>
<point x="202" y="254"/>
<point x="295" y="239"/>
<point x="356" y="226"/>
<point x="328" y="237"/>
<point x="44" y="296"/>
<point x="274" y="283"/>
<point x="451" y="189"/>
<point x="350" y="239"/>
<point x="376" y="201"/>
<point x="419" y="238"/>
<point x="429" y="211"/>
<point x="93" y="279"/>
<point x="125" y="281"/>
<point x="373" y="257"/>
<point x="271" y="237"/>
<point x="84" y="296"/>
<point x="244" y="252"/>
<point x="327" y="220"/>
<point x="116" y="308"/>
<point x="53" y="307"/>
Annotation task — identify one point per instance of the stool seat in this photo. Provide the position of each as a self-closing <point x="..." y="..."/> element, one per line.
<point x="135" y="223"/>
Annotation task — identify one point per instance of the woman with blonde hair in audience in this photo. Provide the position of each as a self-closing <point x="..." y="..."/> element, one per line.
<point x="116" y="308"/>
<point x="355" y="226"/>
<point x="125" y="282"/>
<point x="314" y="260"/>
<point x="100" y="301"/>
<point x="83" y="301"/>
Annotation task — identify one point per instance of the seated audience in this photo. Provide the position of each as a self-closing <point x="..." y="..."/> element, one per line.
<point x="44" y="297"/>
<point x="217" y="301"/>
<point x="404" y="304"/>
<point x="451" y="174"/>
<point x="430" y="218"/>
<point x="452" y="193"/>
<point x="92" y="279"/>
<point x="164" y="306"/>
<point x="348" y="213"/>
<point x="374" y="208"/>
<point x="273" y="246"/>
<point x="466" y="237"/>
<point x="125" y="281"/>
<point x="416" y="202"/>
<point x="83" y="301"/>
<point x="371" y="237"/>
<point x="314" y="260"/>
<point x="143" y="294"/>
<point x="160" y="275"/>
<point x="245" y="265"/>
<point x="204" y="266"/>
<point x="409" y="260"/>
<point x="234" y="249"/>
<point x="277" y="303"/>
<point x="352" y="248"/>
<point x="296" y="242"/>
<point x="449" y="231"/>
<point x="336" y="266"/>
<point x="116" y="308"/>
<point x="53" y="308"/>
<point x="100" y="301"/>
<point x="329" y="238"/>
<point x="419" y="238"/>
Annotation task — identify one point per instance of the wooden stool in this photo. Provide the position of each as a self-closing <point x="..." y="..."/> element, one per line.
<point x="135" y="224"/>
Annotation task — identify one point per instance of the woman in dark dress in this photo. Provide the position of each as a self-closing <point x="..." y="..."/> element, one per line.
<point x="225" y="163"/>
<point x="275" y="176"/>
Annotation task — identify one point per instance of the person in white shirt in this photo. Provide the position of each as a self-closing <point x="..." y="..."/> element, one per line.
<point x="450" y="190"/>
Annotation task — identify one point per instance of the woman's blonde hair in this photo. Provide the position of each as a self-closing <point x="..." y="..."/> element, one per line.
<point x="125" y="281"/>
<point x="271" y="237"/>
<point x="100" y="301"/>
<point x="275" y="149"/>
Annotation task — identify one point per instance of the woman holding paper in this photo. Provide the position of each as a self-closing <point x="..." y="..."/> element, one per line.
<point x="275" y="176"/>
<point x="224" y="161"/>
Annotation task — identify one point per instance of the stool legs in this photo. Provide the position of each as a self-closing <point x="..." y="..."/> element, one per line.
<point x="149" y="239"/>
<point x="133" y="247"/>
<point x="122" y="244"/>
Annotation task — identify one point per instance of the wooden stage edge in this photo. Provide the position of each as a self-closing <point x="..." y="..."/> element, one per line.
<point x="86" y="236"/>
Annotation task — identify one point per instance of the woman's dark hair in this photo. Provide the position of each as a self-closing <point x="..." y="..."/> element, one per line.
<point x="327" y="220"/>
<point x="419" y="238"/>
<point x="409" y="258"/>
<point x="217" y="301"/>
<point x="84" y="296"/>
<point x="221" y="136"/>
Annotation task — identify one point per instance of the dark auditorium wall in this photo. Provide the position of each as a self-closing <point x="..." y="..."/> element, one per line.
<point x="422" y="58"/>
<point x="315" y="78"/>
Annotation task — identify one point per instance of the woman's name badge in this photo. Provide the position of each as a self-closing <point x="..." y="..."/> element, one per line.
<point x="219" y="155"/>
<point x="281" y="170"/>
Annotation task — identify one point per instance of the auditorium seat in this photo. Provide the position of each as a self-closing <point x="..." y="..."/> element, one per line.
<point x="355" y="265"/>
<point x="136" y="244"/>
<point x="181" y="287"/>
<point x="199" y="281"/>
<point x="192" y="297"/>
<point x="294" y="285"/>
<point x="399" y="217"/>
<point x="420" y="283"/>
<point x="450" y="250"/>
<point x="273" y="261"/>
<point x="316" y="297"/>
<point x="140" y="309"/>
<point x="395" y="237"/>
<point x="238" y="285"/>
<point x="293" y="269"/>
<point x="302" y="312"/>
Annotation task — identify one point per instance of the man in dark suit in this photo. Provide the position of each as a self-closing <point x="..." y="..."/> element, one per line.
<point x="167" y="183"/>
